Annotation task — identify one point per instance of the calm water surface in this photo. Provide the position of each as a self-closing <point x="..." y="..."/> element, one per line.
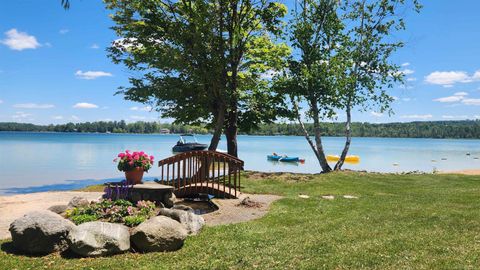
<point x="44" y="161"/>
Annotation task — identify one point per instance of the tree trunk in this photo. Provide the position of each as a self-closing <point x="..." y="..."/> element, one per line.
<point x="318" y="147"/>
<point x="217" y="132"/>
<point x="231" y="131"/>
<point x="318" y="139"/>
<point x="348" y="140"/>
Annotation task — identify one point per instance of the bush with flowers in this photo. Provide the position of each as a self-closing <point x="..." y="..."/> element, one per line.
<point x="118" y="211"/>
<point x="129" y="161"/>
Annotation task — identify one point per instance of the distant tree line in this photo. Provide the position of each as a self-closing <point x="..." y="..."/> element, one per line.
<point x="465" y="129"/>
<point x="105" y="127"/>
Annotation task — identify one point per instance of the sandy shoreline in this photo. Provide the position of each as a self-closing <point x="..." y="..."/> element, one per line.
<point x="13" y="207"/>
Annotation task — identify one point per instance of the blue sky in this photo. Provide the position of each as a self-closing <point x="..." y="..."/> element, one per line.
<point x="54" y="68"/>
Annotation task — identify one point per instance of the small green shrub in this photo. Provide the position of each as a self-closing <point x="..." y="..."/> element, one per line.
<point x="83" y="218"/>
<point x="132" y="221"/>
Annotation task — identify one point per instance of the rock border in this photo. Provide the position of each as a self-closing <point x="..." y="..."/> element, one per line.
<point x="46" y="231"/>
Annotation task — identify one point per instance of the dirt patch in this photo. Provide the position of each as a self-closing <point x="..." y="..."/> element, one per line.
<point x="247" y="202"/>
<point x="233" y="211"/>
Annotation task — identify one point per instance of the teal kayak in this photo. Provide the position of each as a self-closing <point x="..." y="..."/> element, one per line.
<point x="283" y="158"/>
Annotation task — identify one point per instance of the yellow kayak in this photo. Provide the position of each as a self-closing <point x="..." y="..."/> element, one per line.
<point x="347" y="158"/>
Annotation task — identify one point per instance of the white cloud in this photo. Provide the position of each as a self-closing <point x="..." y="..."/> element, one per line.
<point x="406" y="64"/>
<point x="58" y="117"/>
<point x="417" y="116"/>
<point x="447" y="78"/>
<point x="476" y="75"/>
<point x="94" y="46"/>
<point x="1" y="101"/>
<point x="471" y="101"/>
<point x="21" y="115"/>
<point x="411" y="79"/>
<point x="476" y="116"/>
<point x="406" y="99"/>
<point x="146" y="108"/>
<point x="64" y="31"/>
<point x="19" y="41"/>
<point x="138" y="117"/>
<point x="376" y="114"/>
<point x="90" y="75"/>
<point x="459" y="96"/>
<point x="454" y="116"/>
<point x="85" y="105"/>
<point x="407" y="71"/>
<point x="74" y="118"/>
<point x="449" y="99"/>
<point x="33" y="106"/>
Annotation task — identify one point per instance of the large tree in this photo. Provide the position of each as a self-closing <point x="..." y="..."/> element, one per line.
<point x="200" y="61"/>
<point x="344" y="62"/>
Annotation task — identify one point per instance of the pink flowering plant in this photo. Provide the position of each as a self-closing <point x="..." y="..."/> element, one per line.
<point x="128" y="161"/>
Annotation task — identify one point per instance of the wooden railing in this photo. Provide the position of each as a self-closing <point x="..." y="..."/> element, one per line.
<point x="197" y="172"/>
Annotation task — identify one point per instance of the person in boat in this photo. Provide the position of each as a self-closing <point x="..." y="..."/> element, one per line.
<point x="277" y="155"/>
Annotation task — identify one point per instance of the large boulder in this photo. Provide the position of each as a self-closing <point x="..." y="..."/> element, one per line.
<point x="93" y="239"/>
<point x="40" y="232"/>
<point x="192" y="222"/>
<point x="78" y="201"/>
<point x="159" y="233"/>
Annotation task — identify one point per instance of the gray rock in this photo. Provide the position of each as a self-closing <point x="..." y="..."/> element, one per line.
<point x="169" y="200"/>
<point x="159" y="234"/>
<point x="193" y="223"/>
<point x="58" y="209"/>
<point x="93" y="239"/>
<point x="78" y="201"/>
<point x="40" y="232"/>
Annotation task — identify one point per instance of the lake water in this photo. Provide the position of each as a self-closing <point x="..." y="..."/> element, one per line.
<point x="32" y="162"/>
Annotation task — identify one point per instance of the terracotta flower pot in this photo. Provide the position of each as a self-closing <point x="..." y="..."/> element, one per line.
<point x="134" y="176"/>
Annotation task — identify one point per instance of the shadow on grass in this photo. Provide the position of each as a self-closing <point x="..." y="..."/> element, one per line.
<point x="8" y="248"/>
<point x="68" y="254"/>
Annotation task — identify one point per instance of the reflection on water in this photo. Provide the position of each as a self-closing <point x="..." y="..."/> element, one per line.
<point x="37" y="159"/>
<point x="285" y="164"/>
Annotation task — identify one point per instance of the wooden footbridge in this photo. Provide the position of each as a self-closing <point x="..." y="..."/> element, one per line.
<point x="198" y="172"/>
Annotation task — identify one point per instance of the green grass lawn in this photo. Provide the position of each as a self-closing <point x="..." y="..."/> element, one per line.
<point x="398" y="222"/>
